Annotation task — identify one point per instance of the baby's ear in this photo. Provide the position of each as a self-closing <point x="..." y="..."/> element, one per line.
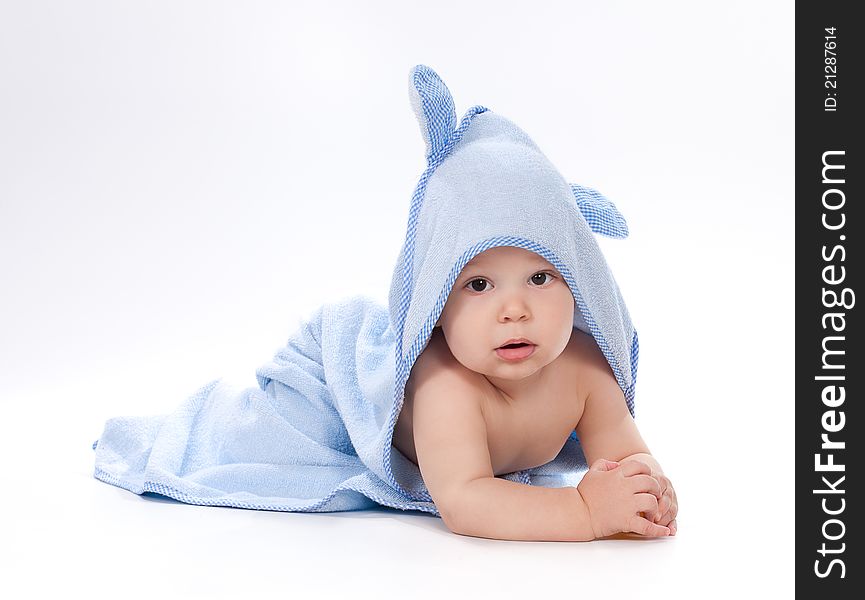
<point x="433" y="106"/>
<point x="601" y="214"/>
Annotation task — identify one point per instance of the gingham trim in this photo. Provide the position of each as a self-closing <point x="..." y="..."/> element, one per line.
<point x="635" y="358"/>
<point x="170" y="492"/>
<point x="434" y="108"/>
<point x="414" y="210"/>
<point x="602" y="215"/>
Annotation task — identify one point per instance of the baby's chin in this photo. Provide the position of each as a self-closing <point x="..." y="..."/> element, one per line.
<point x="508" y="372"/>
<point x="513" y="371"/>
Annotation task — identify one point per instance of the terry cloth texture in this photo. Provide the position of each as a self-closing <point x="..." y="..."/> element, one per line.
<point x="316" y="434"/>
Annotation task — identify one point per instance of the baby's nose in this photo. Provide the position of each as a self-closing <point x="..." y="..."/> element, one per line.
<point x="515" y="313"/>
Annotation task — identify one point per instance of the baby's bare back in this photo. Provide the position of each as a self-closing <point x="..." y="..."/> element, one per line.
<point x="522" y="432"/>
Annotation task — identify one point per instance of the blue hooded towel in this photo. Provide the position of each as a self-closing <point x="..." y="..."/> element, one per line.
<point x="316" y="434"/>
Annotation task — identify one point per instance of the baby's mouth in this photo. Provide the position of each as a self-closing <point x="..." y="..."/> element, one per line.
<point x="518" y="342"/>
<point x="515" y="351"/>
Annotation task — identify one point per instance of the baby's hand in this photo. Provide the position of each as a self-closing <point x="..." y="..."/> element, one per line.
<point x="668" y="505"/>
<point x="616" y="495"/>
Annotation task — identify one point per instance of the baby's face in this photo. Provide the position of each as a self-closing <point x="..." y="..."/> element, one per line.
<point x="504" y="293"/>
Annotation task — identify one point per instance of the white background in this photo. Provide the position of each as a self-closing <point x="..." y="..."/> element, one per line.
<point x="182" y="182"/>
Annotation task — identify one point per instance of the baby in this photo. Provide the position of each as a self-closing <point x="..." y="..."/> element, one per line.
<point x="502" y="383"/>
<point x="504" y="337"/>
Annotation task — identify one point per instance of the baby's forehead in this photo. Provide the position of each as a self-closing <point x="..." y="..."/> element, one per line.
<point x="507" y="255"/>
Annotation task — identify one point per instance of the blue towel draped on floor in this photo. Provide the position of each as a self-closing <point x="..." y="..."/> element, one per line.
<point x="316" y="434"/>
<point x="309" y="438"/>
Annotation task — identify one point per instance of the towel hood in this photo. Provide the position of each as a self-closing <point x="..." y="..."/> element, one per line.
<point x="487" y="184"/>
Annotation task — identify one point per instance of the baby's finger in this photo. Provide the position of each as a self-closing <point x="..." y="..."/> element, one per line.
<point x="646" y="527"/>
<point x="602" y="464"/>
<point x="645" y="483"/>
<point x="647" y="505"/>
<point x="666" y="517"/>
<point x="673" y="505"/>
<point x="668" y="506"/>
<point x="674" y="527"/>
<point x="635" y="467"/>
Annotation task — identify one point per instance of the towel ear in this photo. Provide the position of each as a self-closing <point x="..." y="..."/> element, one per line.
<point x="433" y="106"/>
<point x="602" y="215"/>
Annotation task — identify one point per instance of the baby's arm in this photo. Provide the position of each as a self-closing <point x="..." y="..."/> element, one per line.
<point x="607" y="430"/>
<point x="451" y="444"/>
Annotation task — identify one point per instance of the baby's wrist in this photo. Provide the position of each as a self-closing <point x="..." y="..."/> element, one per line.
<point x="590" y="531"/>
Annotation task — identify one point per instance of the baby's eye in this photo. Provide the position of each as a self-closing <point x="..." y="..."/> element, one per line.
<point x="542" y="274"/>
<point x="474" y="281"/>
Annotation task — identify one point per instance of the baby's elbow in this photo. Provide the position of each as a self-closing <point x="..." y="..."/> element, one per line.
<point x="450" y="515"/>
<point x="462" y="508"/>
<point x="451" y="508"/>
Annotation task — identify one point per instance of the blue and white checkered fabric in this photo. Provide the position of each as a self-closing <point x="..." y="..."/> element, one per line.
<point x="602" y="215"/>
<point x="316" y="434"/>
